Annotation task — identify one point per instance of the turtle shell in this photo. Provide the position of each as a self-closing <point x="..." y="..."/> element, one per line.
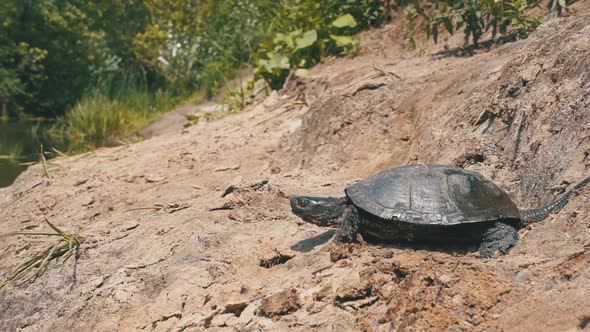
<point x="432" y="194"/>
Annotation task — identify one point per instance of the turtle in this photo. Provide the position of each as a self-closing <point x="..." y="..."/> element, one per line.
<point x="426" y="203"/>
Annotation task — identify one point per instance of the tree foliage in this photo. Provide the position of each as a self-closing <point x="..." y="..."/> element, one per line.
<point x="197" y="44"/>
<point x="55" y="52"/>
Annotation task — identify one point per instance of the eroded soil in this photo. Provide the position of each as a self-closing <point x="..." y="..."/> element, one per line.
<point x="226" y="254"/>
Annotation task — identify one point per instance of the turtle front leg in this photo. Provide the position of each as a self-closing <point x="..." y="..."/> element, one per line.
<point x="500" y="237"/>
<point x="350" y="225"/>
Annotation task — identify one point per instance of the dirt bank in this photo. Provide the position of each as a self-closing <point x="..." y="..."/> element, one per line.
<point x="228" y="255"/>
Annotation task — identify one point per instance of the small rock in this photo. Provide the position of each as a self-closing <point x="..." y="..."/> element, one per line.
<point x="221" y="320"/>
<point x="353" y="292"/>
<point x="339" y="252"/>
<point x="457" y="300"/>
<point x="356" y="305"/>
<point x="232" y="321"/>
<point x="154" y="179"/>
<point x="80" y="182"/>
<point x="258" y="185"/>
<point x="97" y="282"/>
<point x="227" y="168"/>
<point x="274" y="258"/>
<point x="236" y="308"/>
<point x="322" y="293"/>
<point x="445" y="279"/>
<point x="280" y="304"/>
<point x="239" y="216"/>
<point x="165" y="325"/>
<point x="121" y="295"/>
<point x="388" y="290"/>
<point x="88" y="201"/>
<point x="194" y="320"/>
<point x="229" y="190"/>
<point x="248" y="313"/>
<point x="129" y="226"/>
<point x="388" y="326"/>
<point x="225" y="206"/>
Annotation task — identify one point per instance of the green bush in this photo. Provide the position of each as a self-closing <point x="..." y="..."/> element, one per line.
<point x="198" y="44"/>
<point x="99" y="120"/>
<point x="476" y="17"/>
<point x="53" y="51"/>
<point x="302" y="32"/>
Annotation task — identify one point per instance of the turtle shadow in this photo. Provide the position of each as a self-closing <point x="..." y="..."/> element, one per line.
<point x="451" y="245"/>
<point x="309" y="244"/>
<point x="453" y="249"/>
<point x="461" y="249"/>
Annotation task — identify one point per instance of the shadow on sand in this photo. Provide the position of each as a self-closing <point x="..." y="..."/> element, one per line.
<point x="308" y="245"/>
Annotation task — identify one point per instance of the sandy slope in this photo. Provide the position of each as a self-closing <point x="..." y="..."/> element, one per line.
<point x="228" y="254"/>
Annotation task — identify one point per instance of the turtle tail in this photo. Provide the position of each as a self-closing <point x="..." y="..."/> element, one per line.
<point x="540" y="214"/>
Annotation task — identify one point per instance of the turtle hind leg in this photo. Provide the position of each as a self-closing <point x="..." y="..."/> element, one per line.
<point x="350" y="225"/>
<point x="500" y="236"/>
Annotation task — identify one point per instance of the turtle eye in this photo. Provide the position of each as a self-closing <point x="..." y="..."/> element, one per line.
<point x="302" y="202"/>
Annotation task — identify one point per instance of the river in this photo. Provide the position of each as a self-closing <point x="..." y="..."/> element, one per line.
<point x="20" y="141"/>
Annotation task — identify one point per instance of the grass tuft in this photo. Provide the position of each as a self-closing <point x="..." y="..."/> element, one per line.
<point x="98" y="120"/>
<point x="43" y="162"/>
<point x="68" y="244"/>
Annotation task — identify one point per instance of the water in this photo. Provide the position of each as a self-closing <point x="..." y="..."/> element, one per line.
<point x="19" y="143"/>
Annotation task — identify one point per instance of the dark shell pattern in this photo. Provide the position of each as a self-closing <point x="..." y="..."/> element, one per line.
<point x="432" y="194"/>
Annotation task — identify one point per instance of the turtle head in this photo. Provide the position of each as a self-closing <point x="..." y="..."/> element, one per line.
<point x="321" y="211"/>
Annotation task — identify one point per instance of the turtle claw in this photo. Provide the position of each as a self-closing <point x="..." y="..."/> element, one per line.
<point x="349" y="229"/>
<point x="500" y="237"/>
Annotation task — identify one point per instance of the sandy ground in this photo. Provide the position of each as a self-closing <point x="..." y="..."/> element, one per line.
<point x="227" y="254"/>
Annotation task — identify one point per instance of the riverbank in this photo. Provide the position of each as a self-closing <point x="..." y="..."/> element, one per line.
<point x="20" y="142"/>
<point x="223" y="251"/>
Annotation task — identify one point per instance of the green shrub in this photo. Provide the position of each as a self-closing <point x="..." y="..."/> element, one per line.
<point x="302" y="32"/>
<point x="98" y="120"/>
<point x="198" y="44"/>
<point x="476" y="17"/>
